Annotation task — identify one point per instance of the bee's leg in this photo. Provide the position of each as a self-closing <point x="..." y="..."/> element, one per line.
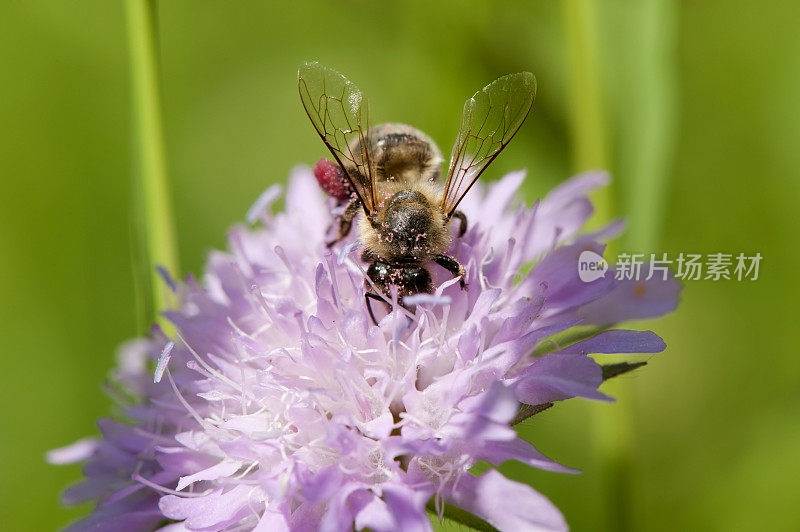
<point x="367" y="256"/>
<point x="453" y="266"/>
<point x="378" y="272"/>
<point x="462" y="228"/>
<point x="368" y="296"/>
<point x="346" y="220"/>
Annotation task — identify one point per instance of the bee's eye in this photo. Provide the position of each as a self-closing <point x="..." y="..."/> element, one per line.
<point x="378" y="268"/>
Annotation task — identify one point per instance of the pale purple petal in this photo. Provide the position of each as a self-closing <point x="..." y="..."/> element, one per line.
<point x="225" y="468"/>
<point x="163" y="360"/>
<point x="562" y="213"/>
<point x="607" y="232"/>
<point x="407" y="508"/>
<point x="498" y="199"/>
<point x="426" y="299"/>
<point x="272" y="522"/>
<point x="576" y="188"/>
<point x="498" y="404"/>
<point x="518" y="449"/>
<point x="173" y="527"/>
<point x="556" y="376"/>
<point x="215" y="510"/>
<point x="375" y="515"/>
<point x="556" y="278"/>
<point x="633" y="300"/>
<point x="340" y="506"/>
<point x="505" y="504"/>
<point x="137" y="514"/>
<point x="324" y="484"/>
<point x="262" y="204"/>
<point x="619" y="341"/>
<point x="75" y="452"/>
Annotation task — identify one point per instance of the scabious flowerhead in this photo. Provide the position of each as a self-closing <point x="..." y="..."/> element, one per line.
<point x="279" y="405"/>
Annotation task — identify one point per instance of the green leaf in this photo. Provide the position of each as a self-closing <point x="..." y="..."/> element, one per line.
<point x="462" y="517"/>
<point x="612" y="370"/>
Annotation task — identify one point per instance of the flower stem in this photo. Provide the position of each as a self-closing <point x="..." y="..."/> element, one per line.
<point x="648" y="135"/>
<point x="611" y="427"/>
<point x="646" y="122"/>
<point x="646" y="132"/>
<point x="589" y="142"/>
<point x="155" y="237"/>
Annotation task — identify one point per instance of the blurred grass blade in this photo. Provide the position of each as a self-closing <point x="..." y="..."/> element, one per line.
<point x="155" y="240"/>
<point x="638" y="39"/>
<point x="587" y="122"/>
<point x="648" y="120"/>
<point x="611" y="430"/>
<point x="644" y="41"/>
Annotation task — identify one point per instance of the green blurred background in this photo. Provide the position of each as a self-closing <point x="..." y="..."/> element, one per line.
<point x="692" y="105"/>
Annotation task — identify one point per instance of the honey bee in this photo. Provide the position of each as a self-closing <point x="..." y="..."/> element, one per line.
<point x="391" y="173"/>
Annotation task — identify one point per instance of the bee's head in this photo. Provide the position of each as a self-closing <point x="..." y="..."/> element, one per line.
<point x="406" y="223"/>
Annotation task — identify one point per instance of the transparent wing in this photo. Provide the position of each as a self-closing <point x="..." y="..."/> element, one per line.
<point x="491" y="119"/>
<point x="340" y="115"/>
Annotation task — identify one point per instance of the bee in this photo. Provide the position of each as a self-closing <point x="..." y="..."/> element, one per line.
<point x="391" y="173"/>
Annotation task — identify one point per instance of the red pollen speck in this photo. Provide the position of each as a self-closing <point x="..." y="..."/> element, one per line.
<point x="332" y="180"/>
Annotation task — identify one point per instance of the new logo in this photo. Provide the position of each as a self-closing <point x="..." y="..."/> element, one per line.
<point x="591" y="266"/>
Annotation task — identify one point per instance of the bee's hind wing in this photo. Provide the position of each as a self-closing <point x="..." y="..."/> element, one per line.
<point x="340" y="114"/>
<point x="490" y="120"/>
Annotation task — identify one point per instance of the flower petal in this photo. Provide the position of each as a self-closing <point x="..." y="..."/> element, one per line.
<point x="557" y="376"/>
<point x="271" y="522"/>
<point x="215" y="510"/>
<point x="633" y="300"/>
<point x="518" y="449"/>
<point x="505" y="504"/>
<point x="225" y="468"/>
<point x="75" y="452"/>
<point x="619" y="341"/>
<point x="556" y="278"/>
